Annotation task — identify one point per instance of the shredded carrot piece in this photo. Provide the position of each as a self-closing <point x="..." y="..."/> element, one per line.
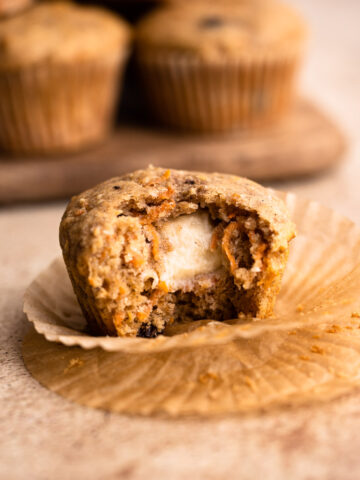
<point x="118" y="319"/>
<point x="137" y="260"/>
<point x="163" y="287"/>
<point x="154" y="212"/>
<point x="213" y="241"/>
<point x="158" y="293"/>
<point x="167" y="194"/>
<point x="143" y="315"/>
<point x="215" y="237"/>
<point x="226" y="245"/>
<point x="231" y="214"/>
<point x="154" y="241"/>
<point x="170" y="191"/>
<point x="165" y="176"/>
<point x="122" y="290"/>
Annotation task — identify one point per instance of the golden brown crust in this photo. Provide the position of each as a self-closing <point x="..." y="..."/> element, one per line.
<point x="110" y="247"/>
<point x="61" y="32"/>
<point x="213" y="30"/>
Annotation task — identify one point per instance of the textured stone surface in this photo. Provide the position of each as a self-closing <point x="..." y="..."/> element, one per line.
<point x="44" y="436"/>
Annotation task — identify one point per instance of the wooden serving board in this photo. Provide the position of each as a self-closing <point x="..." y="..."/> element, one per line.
<point x="306" y="142"/>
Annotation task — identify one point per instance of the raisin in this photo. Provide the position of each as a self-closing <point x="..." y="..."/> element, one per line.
<point x="147" y="330"/>
<point x="189" y="182"/>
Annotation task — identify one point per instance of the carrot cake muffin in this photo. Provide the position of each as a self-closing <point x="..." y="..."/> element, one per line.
<point x="214" y="66"/>
<point x="10" y="7"/>
<point x="158" y="246"/>
<point x="59" y="76"/>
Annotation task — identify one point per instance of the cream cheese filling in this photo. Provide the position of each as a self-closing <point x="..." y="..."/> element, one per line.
<point x="189" y="237"/>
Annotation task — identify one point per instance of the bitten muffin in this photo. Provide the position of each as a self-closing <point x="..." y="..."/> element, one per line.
<point x="60" y="70"/>
<point x="10" y="7"/>
<point x="160" y="246"/>
<point x="216" y="66"/>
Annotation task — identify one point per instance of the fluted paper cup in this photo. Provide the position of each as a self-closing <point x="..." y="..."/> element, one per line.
<point x="309" y="350"/>
<point x="188" y="93"/>
<point x="52" y="108"/>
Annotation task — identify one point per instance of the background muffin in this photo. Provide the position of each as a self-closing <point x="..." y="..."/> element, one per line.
<point x="60" y="66"/>
<point x="214" y="66"/>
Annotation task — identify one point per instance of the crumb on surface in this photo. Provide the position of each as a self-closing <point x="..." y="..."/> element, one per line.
<point x="206" y="377"/>
<point x="334" y="329"/>
<point x="73" y="362"/>
<point x="250" y="383"/>
<point x="304" y="357"/>
<point x="317" y="349"/>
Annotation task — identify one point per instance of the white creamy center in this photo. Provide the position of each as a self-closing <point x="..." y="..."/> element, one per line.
<point x="190" y="255"/>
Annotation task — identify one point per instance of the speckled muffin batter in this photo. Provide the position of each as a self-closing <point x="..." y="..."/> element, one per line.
<point x="60" y="31"/>
<point x="232" y="29"/>
<point x="159" y="246"/>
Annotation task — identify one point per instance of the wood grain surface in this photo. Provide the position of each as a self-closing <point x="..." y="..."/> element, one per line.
<point x="305" y="143"/>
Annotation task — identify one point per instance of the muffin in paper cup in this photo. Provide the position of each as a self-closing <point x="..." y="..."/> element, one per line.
<point x="214" y="67"/>
<point x="158" y="246"/>
<point x="59" y="78"/>
<point x="308" y="351"/>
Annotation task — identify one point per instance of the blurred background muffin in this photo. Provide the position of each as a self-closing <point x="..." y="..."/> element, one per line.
<point x="215" y="66"/>
<point x="60" y="71"/>
<point x="10" y="7"/>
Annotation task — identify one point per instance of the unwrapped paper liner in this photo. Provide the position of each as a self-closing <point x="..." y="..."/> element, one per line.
<point x="321" y="286"/>
<point x="309" y="351"/>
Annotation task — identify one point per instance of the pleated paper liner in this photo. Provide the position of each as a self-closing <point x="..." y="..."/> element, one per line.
<point x="277" y="369"/>
<point x="309" y="350"/>
<point x="188" y="93"/>
<point x="51" y="108"/>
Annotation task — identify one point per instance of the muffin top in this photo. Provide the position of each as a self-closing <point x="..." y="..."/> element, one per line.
<point x="243" y="28"/>
<point x="120" y="197"/>
<point x="60" y="31"/>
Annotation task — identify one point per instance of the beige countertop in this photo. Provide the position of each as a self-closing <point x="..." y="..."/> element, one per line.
<point x="44" y="436"/>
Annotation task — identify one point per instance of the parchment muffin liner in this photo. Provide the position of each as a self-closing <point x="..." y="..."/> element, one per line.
<point x="53" y="107"/>
<point x="309" y="350"/>
<point x="321" y="285"/>
<point x="192" y="94"/>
